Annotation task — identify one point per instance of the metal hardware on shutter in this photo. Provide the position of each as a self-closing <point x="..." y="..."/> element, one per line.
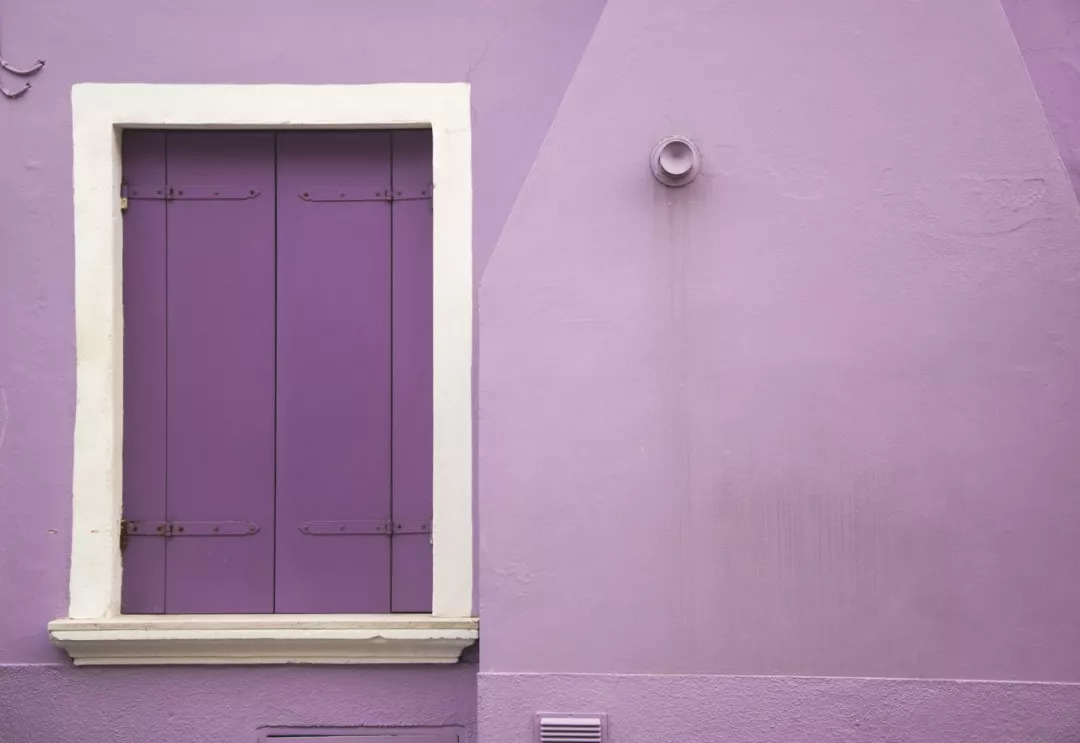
<point x="212" y="528"/>
<point x="351" y="193"/>
<point x="146" y="528"/>
<point x="185" y="193"/>
<point x="344" y="528"/>
<point x="411" y="527"/>
<point x="333" y="528"/>
<point x="130" y="529"/>
<point x="123" y="535"/>
<point x="188" y="528"/>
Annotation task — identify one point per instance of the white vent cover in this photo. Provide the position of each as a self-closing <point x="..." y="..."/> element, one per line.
<point x="577" y="728"/>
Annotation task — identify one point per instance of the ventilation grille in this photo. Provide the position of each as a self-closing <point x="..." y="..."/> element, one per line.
<point x="570" y="728"/>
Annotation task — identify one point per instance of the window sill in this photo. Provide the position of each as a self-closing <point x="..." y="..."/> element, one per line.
<point x="263" y="639"/>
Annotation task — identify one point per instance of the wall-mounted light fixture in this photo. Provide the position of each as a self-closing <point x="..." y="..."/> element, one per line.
<point x="675" y="161"/>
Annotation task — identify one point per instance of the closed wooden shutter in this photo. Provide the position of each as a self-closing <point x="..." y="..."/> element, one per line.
<point x="220" y="371"/>
<point x="412" y="321"/>
<point x="143" y="588"/>
<point x="334" y="372"/>
<point x="278" y="372"/>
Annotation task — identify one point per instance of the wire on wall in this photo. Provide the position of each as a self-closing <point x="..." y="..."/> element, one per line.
<point x="19" y="72"/>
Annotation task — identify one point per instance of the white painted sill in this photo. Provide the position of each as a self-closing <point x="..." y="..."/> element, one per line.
<point x="239" y="639"/>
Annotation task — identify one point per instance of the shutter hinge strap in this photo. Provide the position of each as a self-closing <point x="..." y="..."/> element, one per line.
<point x="352" y="193"/>
<point x="165" y="192"/>
<point x="380" y="527"/>
<point x="130" y="529"/>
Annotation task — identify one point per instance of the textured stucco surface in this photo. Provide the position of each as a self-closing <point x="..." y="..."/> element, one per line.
<point x="50" y="704"/>
<point x="518" y="57"/>
<point x="708" y="709"/>
<point x="815" y="414"/>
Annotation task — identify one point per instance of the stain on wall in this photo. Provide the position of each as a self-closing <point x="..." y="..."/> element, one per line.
<point x="814" y="414"/>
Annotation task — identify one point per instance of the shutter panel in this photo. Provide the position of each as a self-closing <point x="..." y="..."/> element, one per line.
<point x="412" y="354"/>
<point x="143" y="587"/>
<point x="333" y="389"/>
<point x="220" y="371"/>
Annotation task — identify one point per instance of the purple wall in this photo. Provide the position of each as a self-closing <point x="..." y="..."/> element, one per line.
<point x="518" y="56"/>
<point x="762" y="709"/>
<point x="814" y="415"/>
<point x="223" y="705"/>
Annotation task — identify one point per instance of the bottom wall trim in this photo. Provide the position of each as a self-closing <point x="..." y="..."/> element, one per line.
<point x="222" y="704"/>
<point x="777" y="709"/>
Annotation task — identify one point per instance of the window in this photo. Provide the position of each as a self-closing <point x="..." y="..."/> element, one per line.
<point x="218" y="389"/>
<point x="277" y="372"/>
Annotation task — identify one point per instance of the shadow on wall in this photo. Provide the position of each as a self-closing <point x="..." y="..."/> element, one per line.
<point x="1048" y="33"/>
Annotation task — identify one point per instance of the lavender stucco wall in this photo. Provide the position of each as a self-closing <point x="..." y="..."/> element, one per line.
<point x="50" y="704"/>
<point x="760" y="709"/>
<point x="518" y="56"/>
<point x="814" y="415"/>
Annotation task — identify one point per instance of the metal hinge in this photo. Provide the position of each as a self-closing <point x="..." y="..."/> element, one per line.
<point x="387" y="527"/>
<point x="352" y="193"/>
<point x="130" y="529"/>
<point x="166" y="192"/>
<point x="380" y="527"/>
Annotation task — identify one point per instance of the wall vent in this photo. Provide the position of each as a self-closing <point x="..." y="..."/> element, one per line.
<point x="571" y="728"/>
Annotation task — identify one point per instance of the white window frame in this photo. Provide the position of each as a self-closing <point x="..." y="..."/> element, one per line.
<point x="94" y="631"/>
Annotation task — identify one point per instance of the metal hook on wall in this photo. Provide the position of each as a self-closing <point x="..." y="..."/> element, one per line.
<point x="20" y="72"/>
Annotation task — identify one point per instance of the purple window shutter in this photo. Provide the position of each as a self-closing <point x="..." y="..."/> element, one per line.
<point x="333" y="387"/>
<point x="143" y="589"/>
<point x="220" y="371"/>
<point x="412" y="393"/>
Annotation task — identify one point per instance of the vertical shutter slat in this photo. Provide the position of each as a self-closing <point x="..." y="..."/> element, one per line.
<point x="221" y="372"/>
<point x="333" y="389"/>
<point x="143" y="589"/>
<point x="412" y="395"/>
